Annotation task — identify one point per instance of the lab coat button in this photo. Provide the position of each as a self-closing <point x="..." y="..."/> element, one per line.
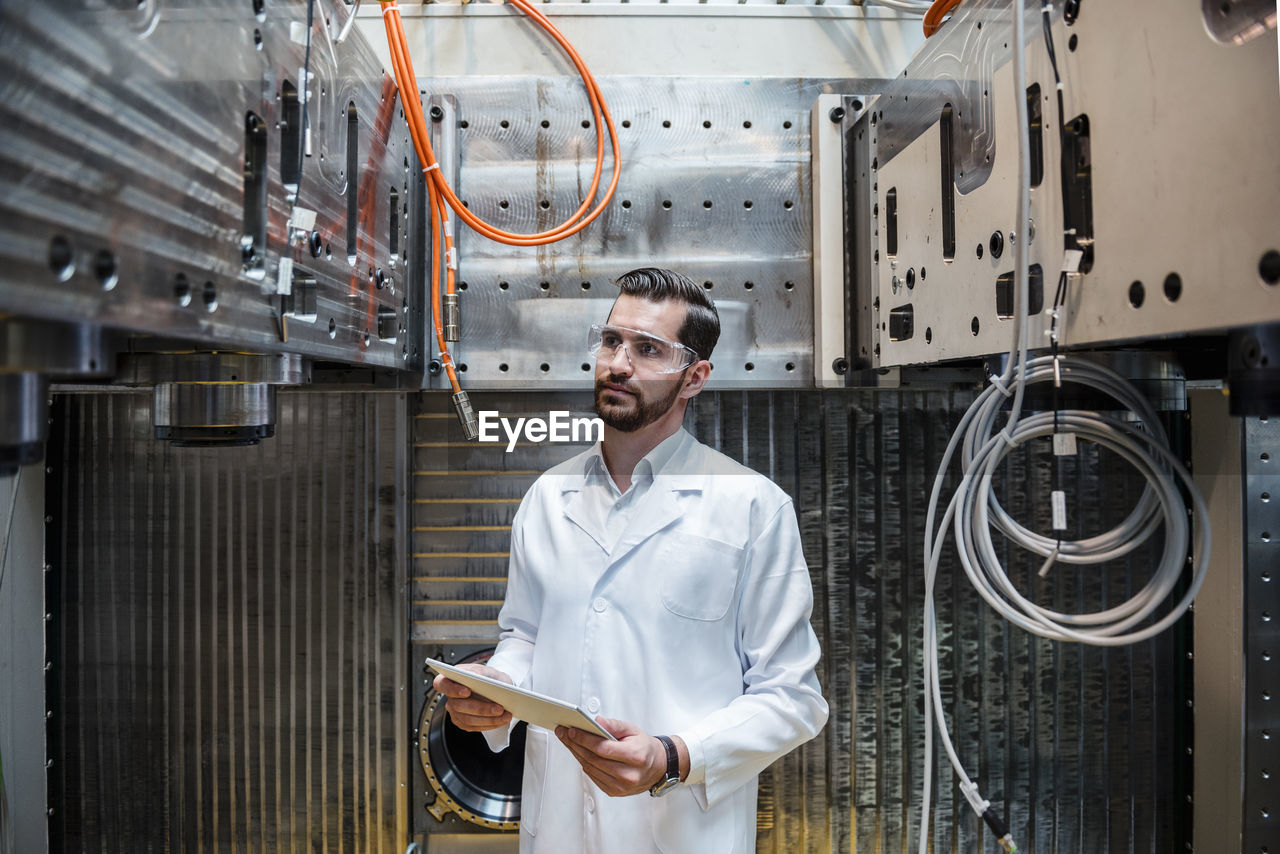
<point x="591" y="805"/>
<point x="593" y="705"/>
<point x="600" y="604"/>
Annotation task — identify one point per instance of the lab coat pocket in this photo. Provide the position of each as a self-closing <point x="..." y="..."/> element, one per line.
<point x="534" y="780"/>
<point x="681" y="826"/>
<point x="698" y="575"/>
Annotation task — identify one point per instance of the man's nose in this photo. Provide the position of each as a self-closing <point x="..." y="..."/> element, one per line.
<point x="620" y="362"/>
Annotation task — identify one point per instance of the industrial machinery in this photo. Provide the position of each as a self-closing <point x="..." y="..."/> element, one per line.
<point x="1000" y="310"/>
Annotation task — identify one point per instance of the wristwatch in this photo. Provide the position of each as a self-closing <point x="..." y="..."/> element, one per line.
<point x="672" y="779"/>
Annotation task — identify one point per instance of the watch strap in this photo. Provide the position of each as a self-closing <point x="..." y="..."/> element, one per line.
<point x="672" y="777"/>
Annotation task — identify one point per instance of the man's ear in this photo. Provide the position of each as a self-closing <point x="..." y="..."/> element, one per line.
<point x="696" y="377"/>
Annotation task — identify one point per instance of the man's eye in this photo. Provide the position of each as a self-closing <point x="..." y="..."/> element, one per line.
<point x="648" y="348"/>
<point x="610" y="340"/>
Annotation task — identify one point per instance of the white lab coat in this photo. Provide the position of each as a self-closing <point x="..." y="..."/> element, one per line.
<point x="695" y="624"/>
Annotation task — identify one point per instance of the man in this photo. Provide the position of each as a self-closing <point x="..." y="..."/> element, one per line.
<point x="660" y="582"/>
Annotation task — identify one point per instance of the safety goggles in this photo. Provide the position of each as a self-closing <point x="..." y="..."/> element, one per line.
<point x="644" y="350"/>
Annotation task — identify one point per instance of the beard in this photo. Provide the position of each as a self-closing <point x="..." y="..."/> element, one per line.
<point x="641" y="411"/>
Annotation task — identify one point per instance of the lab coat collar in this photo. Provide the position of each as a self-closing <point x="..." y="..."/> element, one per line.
<point x="673" y="462"/>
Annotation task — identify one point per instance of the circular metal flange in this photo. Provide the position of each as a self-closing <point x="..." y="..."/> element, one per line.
<point x="213" y="366"/>
<point x="468" y="779"/>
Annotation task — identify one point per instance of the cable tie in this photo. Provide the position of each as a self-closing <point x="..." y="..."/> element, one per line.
<point x="451" y="259"/>
<point x="392" y="8"/>
<point x="1057" y="370"/>
<point x="448" y="228"/>
<point x="1060" y="86"/>
<point x="998" y="383"/>
<point x="427" y="169"/>
<point x="974" y="798"/>
<point x="1008" y="439"/>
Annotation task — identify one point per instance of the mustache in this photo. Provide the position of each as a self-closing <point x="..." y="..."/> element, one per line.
<point x="615" y="379"/>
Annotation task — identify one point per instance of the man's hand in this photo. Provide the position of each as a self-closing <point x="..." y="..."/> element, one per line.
<point x="473" y="713"/>
<point x="628" y="766"/>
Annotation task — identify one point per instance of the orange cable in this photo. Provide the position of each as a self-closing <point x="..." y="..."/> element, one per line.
<point x="933" y="18"/>
<point x="406" y="79"/>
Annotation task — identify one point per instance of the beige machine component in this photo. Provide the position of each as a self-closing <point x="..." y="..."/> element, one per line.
<point x="1174" y="167"/>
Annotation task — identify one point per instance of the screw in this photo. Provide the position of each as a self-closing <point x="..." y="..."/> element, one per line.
<point x="437" y="113"/>
<point x="836" y="115"/>
<point x="897" y="283"/>
<point x="840" y="365"/>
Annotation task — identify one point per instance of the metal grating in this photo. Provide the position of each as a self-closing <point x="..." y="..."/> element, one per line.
<point x="1073" y="742"/>
<point x="228" y="636"/>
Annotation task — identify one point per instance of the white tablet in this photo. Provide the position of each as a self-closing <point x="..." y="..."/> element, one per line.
<point x="539" y="710"/>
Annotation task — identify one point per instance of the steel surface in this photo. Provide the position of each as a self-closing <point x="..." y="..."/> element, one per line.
<point x="715" y="184"/>
<point x="1260" y="451"/>
<point x="128" y="135"/>
<point x="228" y="661"/>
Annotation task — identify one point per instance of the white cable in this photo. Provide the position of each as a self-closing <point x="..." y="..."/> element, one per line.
<point x="346" y="27"/>
<point x="974" y="510"/>
<point x="904" y="5"/>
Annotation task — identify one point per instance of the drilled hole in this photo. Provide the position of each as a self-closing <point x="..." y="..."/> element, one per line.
<point x="544" y="367"/>
<point x="748" y="204"/>
<point x="707" y="204"/>
<point x="1172" y="287"/>
<point x="750" y="366"/>
<point x="1269" y="267"/>
<point x="182" y="290"/>
<point x="974" y="326"/>
<point x="626" y="204"/>
<point x="210" y="296"/>
<point x="1137" y="294"/>
<point x="666" y="123"/>
<point x="503" y="367"/>
<point x="62" y="260"/>
<point x="666" y="204"/>
<point x="502" y="286"/>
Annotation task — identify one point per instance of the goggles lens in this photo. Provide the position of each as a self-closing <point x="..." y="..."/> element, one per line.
<point x="654" y="354"/>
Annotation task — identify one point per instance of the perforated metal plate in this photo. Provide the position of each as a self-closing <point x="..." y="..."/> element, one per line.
<point x="715" y="184"/>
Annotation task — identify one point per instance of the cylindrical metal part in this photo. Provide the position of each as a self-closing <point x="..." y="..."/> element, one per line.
<point x="467" y="415"/>
<point x="53" y="349"/>
<point x="452" y="317"/>
<point x="215" y="414"/>
<point x="24" y="419"/>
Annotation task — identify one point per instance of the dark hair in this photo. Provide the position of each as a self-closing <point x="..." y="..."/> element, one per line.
<point x="701" y="328"/>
